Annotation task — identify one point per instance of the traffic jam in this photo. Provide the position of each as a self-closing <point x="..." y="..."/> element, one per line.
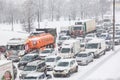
<point x="47" y="54"/>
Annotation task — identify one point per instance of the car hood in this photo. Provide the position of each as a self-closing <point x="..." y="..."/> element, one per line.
<point x="23" y="61"/>
<point x="81" y="58"/>
<point x="45" y="54"/>
<point x="50" y="63"/>
<point x="91" y="50"/>
<point x="61" y="68"/>
<point x="26" y="72"/>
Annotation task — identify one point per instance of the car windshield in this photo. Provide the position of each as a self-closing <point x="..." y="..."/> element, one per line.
<point x="81" y="55"/>
<point x="63" y="38"/>
<point x="92" y="46"/>
<point x="50" y="59"/>
<point x="82" y="45"/>
<point x="15" y="47"/>
<point x="30" y="68"/>
<point x="65" y="50"/>
<point x="30" y="78"/>
<point x="77" y="28"/>
<point x="63" y="64"/>
<point x="89" y="36"/>
<point x="27" y="58"/>
<point x="45" y="51"/>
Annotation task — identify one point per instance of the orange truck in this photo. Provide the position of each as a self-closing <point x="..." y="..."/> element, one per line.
<point x="41" y="39"/>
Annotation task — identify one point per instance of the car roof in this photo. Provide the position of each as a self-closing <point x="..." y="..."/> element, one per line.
<point x="66" y="60"/>
<point x="96" y="40"/>
<point x="35" y="74"/>
<point x="84" y="52"/>
<point x="34" y="63"/>
<point x="52" y="56"/>
<point x="31" y="54"/>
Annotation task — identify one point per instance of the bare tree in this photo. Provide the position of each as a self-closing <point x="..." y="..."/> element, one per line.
<point x="29" y="15"/>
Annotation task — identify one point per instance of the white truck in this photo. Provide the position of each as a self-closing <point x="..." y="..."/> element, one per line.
<point x="15" y="45"/>
<point x="69" y="48"/>
<point x="82" y="27"/>
<point x="97" y="47"/>
<point x="6" y="70"/>
<point x="107" y="21"/>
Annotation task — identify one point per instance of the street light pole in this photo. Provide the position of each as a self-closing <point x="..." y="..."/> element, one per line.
<point x="113" y="24"/>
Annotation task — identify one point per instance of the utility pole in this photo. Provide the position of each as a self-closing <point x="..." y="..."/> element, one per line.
<point x="39" y="14"/>
<point x="113" y="24"/>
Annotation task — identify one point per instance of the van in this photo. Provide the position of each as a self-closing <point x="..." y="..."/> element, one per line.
<point x="34" y="66"/>
<point x="69" y="48"/>
<point x="97" y="47"/>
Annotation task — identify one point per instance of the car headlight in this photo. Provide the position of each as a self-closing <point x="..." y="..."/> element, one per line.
<point x="20" y="75"/>
<point x="65" y="70"/>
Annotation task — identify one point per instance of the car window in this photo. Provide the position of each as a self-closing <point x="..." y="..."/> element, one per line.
<point x="89" y="54"/>
<point x="42" y="76"/>
<point x="58" y="58"/>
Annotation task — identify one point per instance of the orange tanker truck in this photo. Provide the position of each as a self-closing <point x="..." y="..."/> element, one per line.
<point x="41" y="39"/>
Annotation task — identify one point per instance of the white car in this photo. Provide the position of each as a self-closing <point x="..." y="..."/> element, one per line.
<point x="47" y="52"/>
<point x="62" y="39"/>
<point x="89" y="37"/>
<point x="37" y="76"/>
<point x="51" y="61"/>
<point x="83" y="58"/>
<point x="65" y="67"/>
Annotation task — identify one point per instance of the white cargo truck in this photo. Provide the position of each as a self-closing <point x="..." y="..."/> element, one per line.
<point x="97" y="47"/>
<point x="83" y="27"/>
<point x="69" y="48"/>
<point x="6" y="70"/>
<point x="15" y="46"/>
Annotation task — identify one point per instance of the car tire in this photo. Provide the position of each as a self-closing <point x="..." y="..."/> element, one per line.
<point x="86" y="63"/>
<point x="76" y="70"/>
<point x="68" y="74"/>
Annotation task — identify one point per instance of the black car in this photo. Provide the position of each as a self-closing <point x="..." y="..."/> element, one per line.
<point x="26" y="59"/>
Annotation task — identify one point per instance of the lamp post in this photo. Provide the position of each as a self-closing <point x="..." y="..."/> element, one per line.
<point x="113" y="24"/>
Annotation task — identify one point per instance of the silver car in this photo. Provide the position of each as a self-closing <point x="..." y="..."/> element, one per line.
<point x="83" y="58"/>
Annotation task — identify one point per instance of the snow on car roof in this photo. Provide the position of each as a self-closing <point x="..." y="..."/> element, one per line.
<point x="35" y="74"/>
<point x="66" y="60"/>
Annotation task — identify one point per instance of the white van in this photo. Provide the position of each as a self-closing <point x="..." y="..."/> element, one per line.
<point x="97" y="47"/>
<point x="69" y="48"/>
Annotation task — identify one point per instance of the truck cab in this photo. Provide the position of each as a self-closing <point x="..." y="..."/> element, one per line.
<point x="16" y="45"/>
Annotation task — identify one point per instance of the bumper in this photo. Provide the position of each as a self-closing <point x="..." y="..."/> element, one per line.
<point x="59" y="73"/>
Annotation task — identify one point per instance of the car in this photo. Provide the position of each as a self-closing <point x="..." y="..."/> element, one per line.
<point x="2" y="48"/>
<point x="51" y="61"/>
<point x="47" y="52"/>
<point x="37" y="76"/>
<point x="26" y="59"/>
<point x="14" y="57"/>
<point x="84" y="57"/>
<point x="90" y="36"/>
<point x="117" y="39"/>
<point x="62" y="39"/>
<point x="34" y="66"/>
<point x="81" y="39"/>
<point x="14" y="71"/>
<point x="65" y="67"/>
